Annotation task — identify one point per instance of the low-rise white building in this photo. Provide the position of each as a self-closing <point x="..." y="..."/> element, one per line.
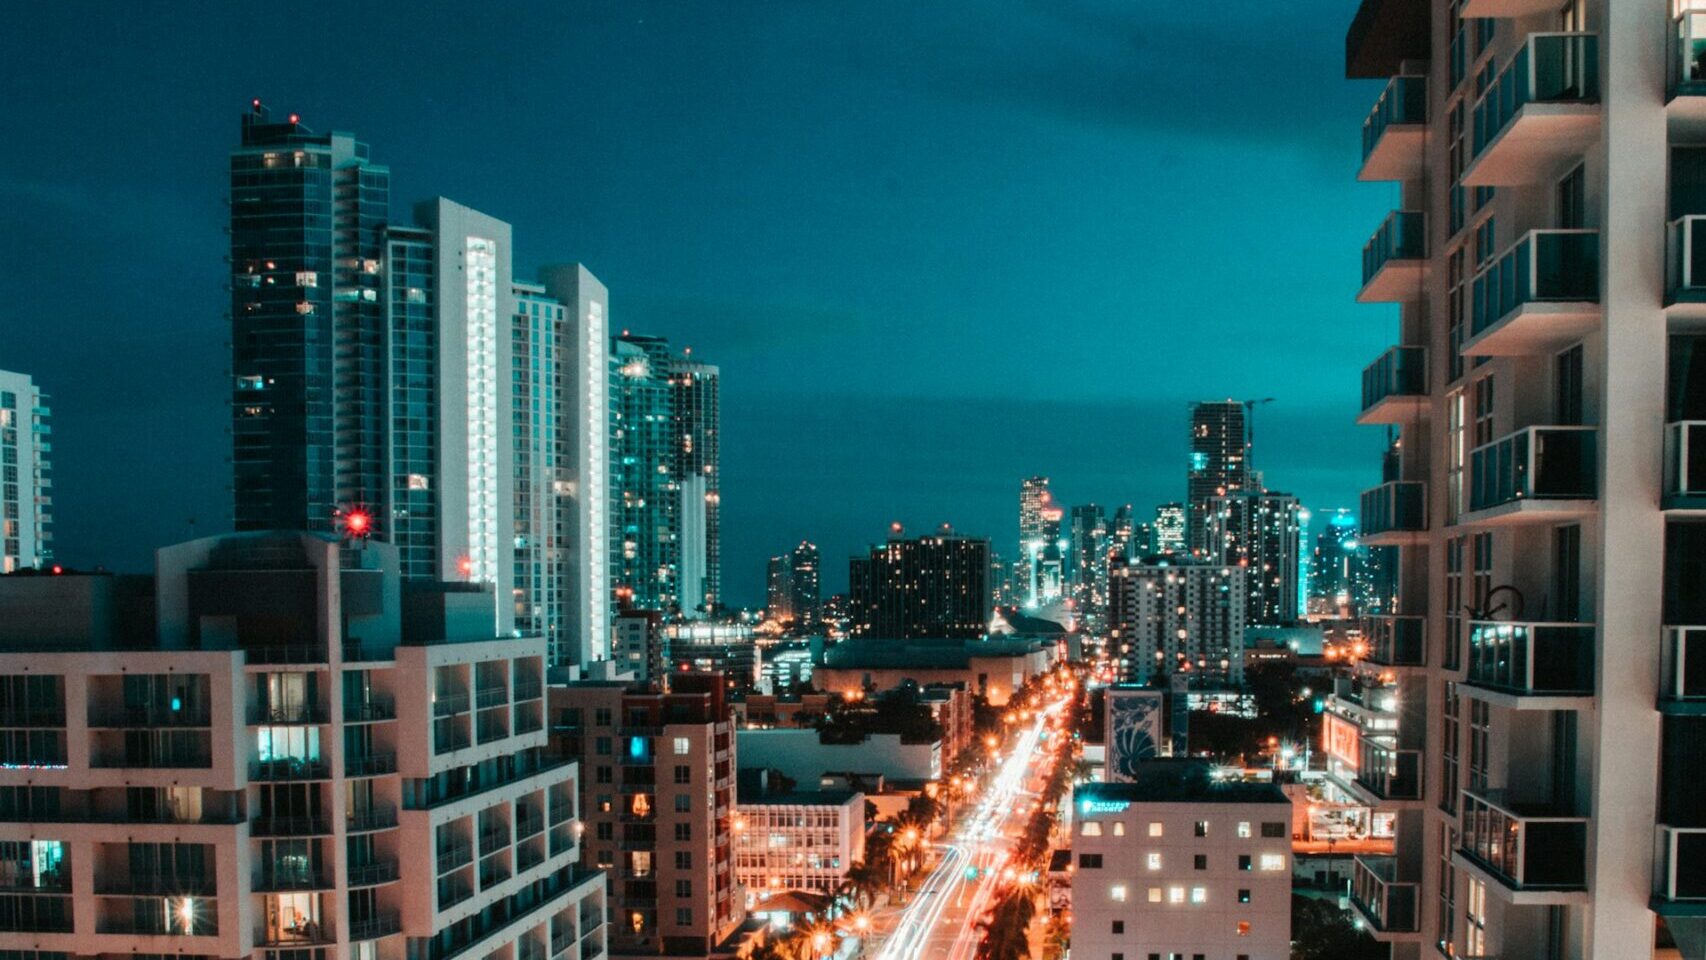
<point x="802" y="840"/>
<point x="1177" y="865"/>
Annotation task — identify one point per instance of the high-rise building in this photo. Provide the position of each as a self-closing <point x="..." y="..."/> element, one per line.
<point x="309" y="358"/>
<point x="1543" y="774"/>
<point x="584" y="468"/>
<point x="1087" y="560"/>
<point x="794" y="589"/>
<point x="1042" y="551"/>
<point x="1340" y="568"/>
<point x="26" y="476"/>
<point x="666" y="490"/>
<point x="277" y="745"/>
<point x="1220" y="462"/>
<point x="797" y="840"/>
<point x="658" y="794"/>
<point x="1177" y="615"/>
<point x="932" y="586"/>
<point x="637" y="644"/>
<point x="1181" y="863"/>
<point x="1257" y="533"/>
<point x="1169" y="529"/>
<point x="541" y="554"/>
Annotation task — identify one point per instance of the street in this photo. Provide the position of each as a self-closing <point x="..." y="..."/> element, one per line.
<point x="940" y="921"/>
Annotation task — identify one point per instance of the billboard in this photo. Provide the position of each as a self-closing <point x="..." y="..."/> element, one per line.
<point x="1134" y="730"/>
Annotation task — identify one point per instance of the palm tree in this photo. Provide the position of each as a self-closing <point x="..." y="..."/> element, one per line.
<point x="1006" y="931"/>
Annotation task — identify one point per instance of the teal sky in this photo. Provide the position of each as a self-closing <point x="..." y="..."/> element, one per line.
<point x="935" y="247"/>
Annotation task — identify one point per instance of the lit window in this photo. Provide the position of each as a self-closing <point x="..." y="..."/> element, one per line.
<point x="307" y="278"/>
<point x="1118" y="892"/>
<point x="419" y="481"/>
<point x="1199" y="894"/>
<point x="1155" y="861"/>
<point x="1155" y="828"/>
<point x="1201" y="828"/>
<point x="1119" y="828"/>
<point x="1273" y="861"/>
<point x="1092" y="829"/>
<point x="1244" y="829"/>
<point x="1243" y="928"/>
<point x="682" y="746"/>
<point x="1154" y="894"/>
<point x="1175" y="894"/>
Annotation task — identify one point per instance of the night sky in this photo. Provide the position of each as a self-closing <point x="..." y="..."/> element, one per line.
<point x="935" y="247"/>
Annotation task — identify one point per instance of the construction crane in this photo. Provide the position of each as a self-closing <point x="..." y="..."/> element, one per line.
<point x="1250" y="423"/>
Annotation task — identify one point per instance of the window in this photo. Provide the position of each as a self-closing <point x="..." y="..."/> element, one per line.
<point x="1570" y="407"/>
<point x="683" y="859"/>
<point x="1273" y="828"/>
<point x="1243" y="895"/>
<point x="1201" y="861"/>
<point x="1572" y="200"/>
<point x="606" y="831"/>
<point x="683" y="803"/>
<point x="1243" y="829"/>
<point x="1175" y="894"/>
<point x="1154" y="861"/>
<point x="1243" y="861"/>
<point x="682" y="746"/>
<point x="601" y="746"/>
<point x="1201" y="828"/>
<point x="1199" y="894"/>
<point x="1117" y="892"/>
<point x="1092" y="829"/>
<point x="1119" y="927"/>
<point x="601" y="716"/>
<point x="684" y="888"/>
<point x="1089" y="861"/>
<point x="1154" y="894"/>
<point x="1243" y="928"/>
<point x="1155" y="828"/>
<point x="1119" y="828"/>
<point x="1273" y="861"/>
<point x="684" y="831"/>
<point x="683" y="916"/>
<point x="683" y="774"/>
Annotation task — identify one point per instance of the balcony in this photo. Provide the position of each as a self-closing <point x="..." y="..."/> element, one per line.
<point x="1395" y="387"/>
<point x="148" y="718"/>
<point x="1397" y="641"/>
<point x="371" y="819"/>
<point x="1506" y="9"/>
<point x="1394" y="513"/>
<point x="1683" y="690"/>
<point x="1539" y="115"/>
<point x="1685" y="260"/>
<point x="373" y="874"/>
<point x="1543" y="474"/>
<point x="1388" y="772"/>
<point x="1395" y="259"/>
<point x="372" y="765"/>
<point x="456" y="855"/>
<point x="268" y="714"/>
<point x="283" y="880"/>
<point x="1679" y="868"/>
<point x="1539" y="296"/>
<point x="1685" y="465"/>
<point x="446" y="704"/>
<point x="372" y="928"/>
<point x="290" y="769"/>
<point x="290" y="827"/>
<point x="1528" y="850"/>
<point x="1687" y="79"/>
<point x="1394" y="130"/>
<point x="1386" y="904"/>
<point x="1522" y="661"/>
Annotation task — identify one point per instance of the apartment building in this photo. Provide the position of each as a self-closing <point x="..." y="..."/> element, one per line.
<point x="658" y="794"/>
<point x="244" y="756"/>
<point x="797" y="840"/>
<point x="1544" y="490"/>
<point x="1179" y="865"/>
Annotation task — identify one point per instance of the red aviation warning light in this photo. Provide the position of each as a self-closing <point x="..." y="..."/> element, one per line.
<point x="465" y="566"/>
<point x="356" y="523"/>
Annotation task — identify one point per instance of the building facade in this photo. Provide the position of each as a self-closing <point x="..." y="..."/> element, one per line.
<point x="1544" y="396"/>
<point x="1181" y="864"/>
<point x="794" y="587"/>
<point x="1259" y="533"/>
<point x="245" y="755"/>
<point x="26" y="475"/>
<point x="1220" y="462"/>
<point x="800" y="840"/>
<point x="934" y="586"/>
<point x="1176" y="616"/>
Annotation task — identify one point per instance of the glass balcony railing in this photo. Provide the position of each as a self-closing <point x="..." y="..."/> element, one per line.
<point x="1404" y="102"/>
<point x="1389" y="904"/>
<point x="1396" y="507"/>
<point x="1685" y="258"/>
<point x="1396" y="641"/>
<point x="1532" y="659"/>
<point x="1684" y="667"/>
<point x="1388" y="772"/>
<point x="1548" y="68"/>
<point x="1556" y="266"/>
<point x="1525" y="847"/>
<point x="1688" y="64"/>
<point x="1402" y="236"/>
<point x="1681" y="865"/>
<point x="1535" y="463"/>
<point x="1400" y="372"/>
<point x="1685" y="459"/>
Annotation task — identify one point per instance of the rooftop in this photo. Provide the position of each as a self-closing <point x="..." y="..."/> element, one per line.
<point x="1177" y="781"/>
<point x="872" y="653"/>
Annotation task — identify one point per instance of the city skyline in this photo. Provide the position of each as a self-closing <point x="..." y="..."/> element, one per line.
<point x="852" y="477"/>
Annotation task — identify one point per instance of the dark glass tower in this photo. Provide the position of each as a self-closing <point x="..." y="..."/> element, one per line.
<point x="308" y="361"/>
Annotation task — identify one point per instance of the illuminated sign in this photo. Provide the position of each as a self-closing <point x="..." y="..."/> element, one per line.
<point x="1088" y="807"/>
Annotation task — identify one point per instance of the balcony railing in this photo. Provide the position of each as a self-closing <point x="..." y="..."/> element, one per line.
<point x="1396" y="640"/>
<point x="1685" y="461"/>
<point x="371" y="709"/>
<point x="527" y="690"/>
<point x="144" y="718"/>
<point x="1685" y="260"/>
<point x="1401" y="372"/>
<point x="1684" y="666"/>
<point x="1389" y="904"/>
<point x="372" y="874"/>
<point x="1404" y="102"/>
<point x="1396" y="507"/>
<point x="1688" y="58"/>
<point x="1525" y="847"/>
<point x="1401" y="236"/>
<point x="1532" y="659"/>
<point x="290" y="827"/>
<point x="1681" y="863"/>
<point x="373" y="818"/>
<point x="445" y="704"/>
<point x="491" y="697"/>
<point x="122" y="883"/>
<point x="1388" y="772"/>
<point x="371" y="928"/>
<point x="1544" y="266"/>
<point x="372" y="765"/>
<point x="291" y="769"/>
<point x="1548" y="68"/>
<point x="265" y="713"/>
<point x="456" y="855"/>
<point x="1536" y="463"/>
